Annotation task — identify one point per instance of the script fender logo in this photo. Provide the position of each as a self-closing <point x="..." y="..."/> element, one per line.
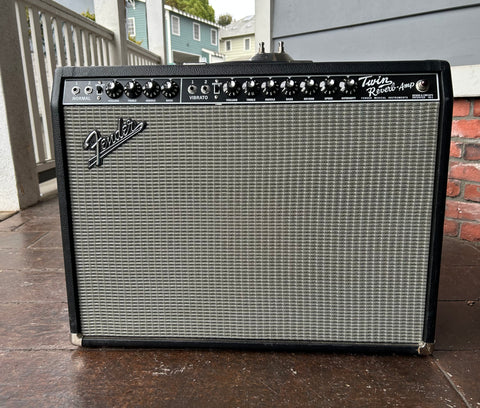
<point x="104" y="145"/>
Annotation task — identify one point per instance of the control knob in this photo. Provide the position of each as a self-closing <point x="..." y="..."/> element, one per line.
<point x="348" y="86"/>
<point x="169" y="89"/>
<point x="328" y="86"/>
<point x="151" y="89"/>
<point x="133" y="89"/>
<point x="289" y="87"/>
<point x="114" y="89"/>
<point x="270" y="87"/>
<point x="231" y="88"/>
<point x="309" y="87"/>
<point x="250" y="87"/>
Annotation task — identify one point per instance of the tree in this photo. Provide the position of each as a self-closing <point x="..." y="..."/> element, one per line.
<point x="199" y="8"/>
<point x="224" y="20"/>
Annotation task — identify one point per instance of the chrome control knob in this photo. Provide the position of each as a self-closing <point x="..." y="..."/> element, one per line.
<point x="114" y="89"/>
<point x="231" y="88"/>
<point x="133" y="89"/>
<point x="270" y="87"/>
<point x="309" y="87"/>
<point x="169" y="89"/>
<point x="250" y="87"/>
<point x="151" y="89"/>
<point x="289" y="87"/>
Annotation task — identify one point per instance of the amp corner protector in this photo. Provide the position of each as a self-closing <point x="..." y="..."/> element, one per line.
<point x="76" y="339"/>
<point x="425" y="349"/>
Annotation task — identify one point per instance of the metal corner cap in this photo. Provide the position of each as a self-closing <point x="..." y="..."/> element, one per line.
<point x="76" y="339"/>
<point x="425" y="349"/>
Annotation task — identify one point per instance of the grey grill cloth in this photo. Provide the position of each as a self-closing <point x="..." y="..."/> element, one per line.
<point x="274" y="221"/>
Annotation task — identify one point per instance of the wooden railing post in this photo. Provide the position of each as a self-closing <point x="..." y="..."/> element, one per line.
<point x="112" y="15"/>
<point x="18" y="174"/>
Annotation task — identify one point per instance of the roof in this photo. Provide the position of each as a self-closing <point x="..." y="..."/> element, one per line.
<point x="191" y="16"/>
<point x="244" y="26"/>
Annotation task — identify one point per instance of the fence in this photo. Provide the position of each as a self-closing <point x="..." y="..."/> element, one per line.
<point x="53" y="36"/>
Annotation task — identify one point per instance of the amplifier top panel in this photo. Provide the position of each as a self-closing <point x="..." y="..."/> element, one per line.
<point x="250" y="89"/>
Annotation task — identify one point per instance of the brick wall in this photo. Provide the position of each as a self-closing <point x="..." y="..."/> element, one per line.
<point x="462" y="212"/>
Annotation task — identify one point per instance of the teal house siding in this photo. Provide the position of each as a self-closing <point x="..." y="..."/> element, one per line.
<point x="139" y="13"/>
<point x="183" y="47"/>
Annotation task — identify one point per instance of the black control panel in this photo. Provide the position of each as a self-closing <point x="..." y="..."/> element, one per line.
<point x="264" y="89"/>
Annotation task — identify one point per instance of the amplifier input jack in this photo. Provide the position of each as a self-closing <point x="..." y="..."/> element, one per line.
<point x="76" y="90"/>
<point x="205" y="89"/>
<point x="192" y="89"/>
<point x="88" y="90"/>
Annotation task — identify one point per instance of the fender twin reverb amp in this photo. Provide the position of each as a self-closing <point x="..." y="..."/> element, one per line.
<point x="256" y="204"/>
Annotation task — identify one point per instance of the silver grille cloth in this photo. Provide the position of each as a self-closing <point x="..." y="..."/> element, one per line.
<point x="274" y="221"/>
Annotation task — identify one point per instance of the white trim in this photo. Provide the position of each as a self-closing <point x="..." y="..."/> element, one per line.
<point x="169" y="54"/>
<point x="131" y="20"/>
<point x="199" y="31"/>
<point x="178" y="19"/>
<point x="214" y="30"/>
<point x="191" y="16"/>
<point x="466" y="81"/>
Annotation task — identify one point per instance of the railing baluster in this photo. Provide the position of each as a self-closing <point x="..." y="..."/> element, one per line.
<point x="93" y="49"/>
<point x="106" y="53"/>
<point x="59" y="42"/>
<point x="77" y="44"/>
<point x="43" y="93"/>
<point x="46" y="25"/>
<point x="85" y="46"/>
<point x="33" y="108"/>
<point x="98" y="47"/>
<point x="68" y="37"/>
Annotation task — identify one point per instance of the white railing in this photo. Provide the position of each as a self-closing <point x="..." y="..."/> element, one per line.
<point x="138" y="55"/>
<point x="53" y="36"/>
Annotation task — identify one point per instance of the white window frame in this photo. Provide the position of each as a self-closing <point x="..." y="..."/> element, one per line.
<point x="228" y="45"/>
<point x="131" y="24"/>
<point x="245" y="44"/>
<point x="212" y="31"/>
<point x="199" y="32"/>
<point x="177" y="24"/>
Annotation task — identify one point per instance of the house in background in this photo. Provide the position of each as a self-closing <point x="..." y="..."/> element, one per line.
<point x="237" y="40"/>
<point x="190" y="38"/>
<point x="137" y="22"/>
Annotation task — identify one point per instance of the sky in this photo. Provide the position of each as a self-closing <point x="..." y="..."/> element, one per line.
<point x="236" y="8"/>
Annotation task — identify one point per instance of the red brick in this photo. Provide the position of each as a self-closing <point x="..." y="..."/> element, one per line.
<point x="470" y="232"/>
<point x="476" y="107"/>
<point x="453" y="188"/>
<point x="469" y="128"/>
<point x="472" y="192"/>
<point x="455" y="149"/>
<point x="464" y="171"/>
<point x="462" y="211"/>
<point x="461" y="107"/>
<point x="450" y="228"/>
<point x="472" y="152"/>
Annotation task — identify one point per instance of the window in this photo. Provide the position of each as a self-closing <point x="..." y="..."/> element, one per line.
<point x="213" y="37"/>
<point x="175" y="25"/>
<point x="228" y="45"/>
<point x="196" y="31"/>
<point x="247" y="44"/>
<point x="131" y="26"/>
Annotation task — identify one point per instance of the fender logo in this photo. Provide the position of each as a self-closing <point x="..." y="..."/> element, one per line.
<point x="104" y="145"/>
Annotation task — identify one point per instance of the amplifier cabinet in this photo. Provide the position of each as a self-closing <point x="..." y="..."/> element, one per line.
<point x="253" y="204"/>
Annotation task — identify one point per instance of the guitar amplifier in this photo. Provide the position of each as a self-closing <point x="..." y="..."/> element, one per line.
<point x="256" y="204"/>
